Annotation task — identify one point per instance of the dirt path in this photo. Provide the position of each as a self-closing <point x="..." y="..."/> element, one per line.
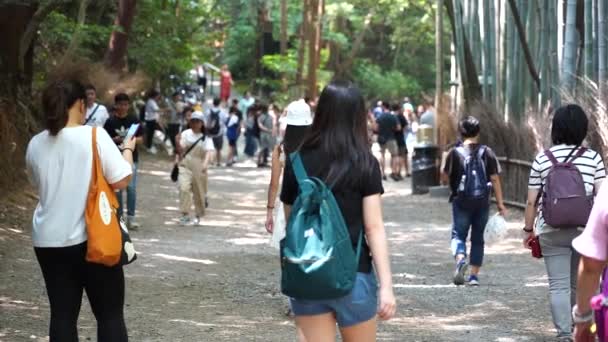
<point x="219" y="282"/>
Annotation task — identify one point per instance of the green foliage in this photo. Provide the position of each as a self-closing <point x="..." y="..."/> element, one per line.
<point x="166" y="42"/>
<point x="387" y="85"/>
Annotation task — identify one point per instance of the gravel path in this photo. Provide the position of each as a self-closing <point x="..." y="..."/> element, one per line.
<point x="219" y="282"/>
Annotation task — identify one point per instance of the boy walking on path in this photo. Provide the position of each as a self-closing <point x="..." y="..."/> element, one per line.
<point x="97" y="114"/>
<point x="473" y="172"/>
<point x="117" y="127"/>
<point x="215" y="122"/>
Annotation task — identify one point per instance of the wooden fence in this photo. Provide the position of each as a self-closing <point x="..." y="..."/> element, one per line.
<point x="514" y="178"/>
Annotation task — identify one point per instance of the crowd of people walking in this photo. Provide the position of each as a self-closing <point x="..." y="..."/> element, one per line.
<point x="324" y="178"/>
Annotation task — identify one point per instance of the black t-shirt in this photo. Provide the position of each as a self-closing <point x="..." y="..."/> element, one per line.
<point x="387" y="124"/>
<point x="454" y="165"/>
<point x="349" y="194"/>
<point x="399" y="134"/>
<point x="118" y="127"/>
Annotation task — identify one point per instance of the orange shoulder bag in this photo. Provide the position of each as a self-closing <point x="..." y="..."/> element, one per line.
<point x="108" y="241"/>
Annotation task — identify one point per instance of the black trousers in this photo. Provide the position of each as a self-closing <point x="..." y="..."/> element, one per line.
<point x="150" y="129"/>
<point x="172" y="132"/>
<point x="66" y="274"/>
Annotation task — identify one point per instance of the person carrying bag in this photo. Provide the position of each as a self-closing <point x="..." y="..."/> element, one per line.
<point x="192" y="169"/>
<point x="77" y="237"/>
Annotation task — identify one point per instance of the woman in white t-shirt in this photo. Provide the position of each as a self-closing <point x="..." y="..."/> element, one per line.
<point x="194" y="161"/>
<point x="59" y="162"/>
<point x="569" y="130"/>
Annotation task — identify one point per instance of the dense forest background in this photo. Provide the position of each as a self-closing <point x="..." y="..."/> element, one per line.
<point x="508" y="61"/>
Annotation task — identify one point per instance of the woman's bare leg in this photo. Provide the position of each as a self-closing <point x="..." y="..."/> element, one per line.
<point x="317" y="328"/>
<point x="362" y="332"/>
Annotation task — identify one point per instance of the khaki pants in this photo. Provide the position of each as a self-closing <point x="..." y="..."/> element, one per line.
<point x="192" y="186"/>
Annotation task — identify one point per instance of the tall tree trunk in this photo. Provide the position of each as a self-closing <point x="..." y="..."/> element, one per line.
<point x="570" y="48"/>
<point x="345" y="67"/>
<point x="439" y="114"/>
<point x="313" y="47"/>
<point x="284" y="27"/>
<point x="302" y="45"/>
<point x="82" y="15"/>
<point x="116" y="56"/>
<point x="19" y="23"/>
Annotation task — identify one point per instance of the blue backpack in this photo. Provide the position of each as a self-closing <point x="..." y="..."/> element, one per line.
<point x="317" y="257"/>
<point x="474" y="188"/>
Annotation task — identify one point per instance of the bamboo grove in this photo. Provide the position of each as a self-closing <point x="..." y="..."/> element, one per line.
<point x="528" y="55"/>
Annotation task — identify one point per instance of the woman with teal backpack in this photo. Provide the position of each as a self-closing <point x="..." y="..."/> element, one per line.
<point x="335" y="157"/>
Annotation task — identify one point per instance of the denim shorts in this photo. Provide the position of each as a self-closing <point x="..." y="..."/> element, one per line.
<point x="357" y="307"/>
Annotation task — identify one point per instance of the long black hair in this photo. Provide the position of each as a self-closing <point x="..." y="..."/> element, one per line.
<point x="294" y="136"/>
<point x="339" y="131"/>
<point x="57" y="99"/>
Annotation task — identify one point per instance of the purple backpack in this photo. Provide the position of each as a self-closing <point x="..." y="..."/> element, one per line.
<point x="565" y="200"/>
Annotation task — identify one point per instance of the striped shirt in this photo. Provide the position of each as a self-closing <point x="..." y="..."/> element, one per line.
<point x="590" y="165"/>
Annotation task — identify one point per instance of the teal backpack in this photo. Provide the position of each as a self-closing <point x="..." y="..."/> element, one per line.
<point x="317" y="257"/>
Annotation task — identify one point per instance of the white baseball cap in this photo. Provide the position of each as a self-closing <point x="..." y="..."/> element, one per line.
<point x="299" y="114"/>
<point x="198" y="116"/>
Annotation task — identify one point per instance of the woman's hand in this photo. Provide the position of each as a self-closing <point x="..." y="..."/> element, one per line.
<point x="582" y="332"/>
<point x="130" y="144"/>
<point x="269" y="221"/>
<point x="527" y="237"/>
<point x="387" y="304"/>
<point x="502" y="209"/>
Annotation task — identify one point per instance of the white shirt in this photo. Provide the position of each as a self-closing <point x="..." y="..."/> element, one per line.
<point x="188" y="138"/>
<point x="99" y="117"/>
<point x="60" y="168"/>
<point x="590" y="165"/>
<point x="152" y="110"/>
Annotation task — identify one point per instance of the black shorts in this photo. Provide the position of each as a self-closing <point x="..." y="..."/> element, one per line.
<point x="403" y="150"/>
<point x="232" y="142"/>
<point x="218" y="142"/>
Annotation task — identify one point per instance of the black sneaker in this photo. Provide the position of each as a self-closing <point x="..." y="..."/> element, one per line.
<point x="384" y="177"/>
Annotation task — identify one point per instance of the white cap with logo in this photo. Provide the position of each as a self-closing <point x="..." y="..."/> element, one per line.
<point x="299" y="114"/>
<point x="197" y="115"/>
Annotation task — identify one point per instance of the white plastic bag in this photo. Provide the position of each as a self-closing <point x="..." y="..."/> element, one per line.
<point x="496" y="229"/>
<point x="278" y="232"/>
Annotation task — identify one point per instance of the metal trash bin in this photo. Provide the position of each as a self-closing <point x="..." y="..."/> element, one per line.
<point x="424" y="168"/>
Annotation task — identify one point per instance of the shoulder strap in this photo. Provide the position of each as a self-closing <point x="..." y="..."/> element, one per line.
<point x="298" y="167"/>
<point x="92" y="115"/>
<point x="481" y="151"/>
<point x="193" y="145"/>
<point x="551" y="157"/>
<point x="578" y="154"/>
<point x="96" y="162"/>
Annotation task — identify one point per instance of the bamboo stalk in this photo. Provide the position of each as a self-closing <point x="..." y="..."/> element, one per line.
<point x="570" y="48"/>
<point x="602" y="37"/>
<point x="588" y="39"/>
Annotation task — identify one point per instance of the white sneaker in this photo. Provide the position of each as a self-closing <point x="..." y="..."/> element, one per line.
<point x="197" y="221"/>
<point x="152" y="150"/>
<point x="132" y="224"/>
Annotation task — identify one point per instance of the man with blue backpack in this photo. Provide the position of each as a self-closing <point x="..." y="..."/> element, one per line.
<point x="473" y="172"/>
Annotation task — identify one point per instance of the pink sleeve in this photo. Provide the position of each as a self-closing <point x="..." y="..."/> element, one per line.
<point x="593" y="242"/>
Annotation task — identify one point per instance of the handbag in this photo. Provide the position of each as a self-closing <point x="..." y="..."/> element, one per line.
<point x="175" y="170"/>
<point x="108" y="240"/>
<point x="534" y="244"/>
